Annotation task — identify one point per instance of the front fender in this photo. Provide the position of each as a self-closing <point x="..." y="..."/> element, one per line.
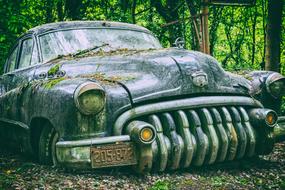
<point x="260" y="81"/>
<point x="54" y="103"/>
<point x="51" y="100"/>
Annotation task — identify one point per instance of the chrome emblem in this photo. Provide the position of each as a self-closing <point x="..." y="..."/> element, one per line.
<point x="200" y="79"/>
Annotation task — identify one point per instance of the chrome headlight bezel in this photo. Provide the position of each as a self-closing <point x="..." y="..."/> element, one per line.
<point x="98" y="92"/>
<point x="276" y="80"/>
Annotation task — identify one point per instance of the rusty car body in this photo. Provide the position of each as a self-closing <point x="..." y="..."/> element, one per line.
<point x="95" y="94"/>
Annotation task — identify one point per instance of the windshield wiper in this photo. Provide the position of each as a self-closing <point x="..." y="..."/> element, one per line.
<point x="81" y="52"/>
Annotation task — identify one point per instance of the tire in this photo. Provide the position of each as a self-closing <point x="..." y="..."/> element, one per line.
<point x="47" y="141"/>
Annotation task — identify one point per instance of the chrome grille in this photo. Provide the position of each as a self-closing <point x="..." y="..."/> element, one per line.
<point x="196" y="131"/>
<point x="201" y="136"/>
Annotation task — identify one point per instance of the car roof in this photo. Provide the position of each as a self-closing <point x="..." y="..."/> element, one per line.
<point x="84" y="24"/>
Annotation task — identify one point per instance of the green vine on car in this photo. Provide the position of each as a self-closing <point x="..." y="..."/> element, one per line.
<point x="53" y="70"/>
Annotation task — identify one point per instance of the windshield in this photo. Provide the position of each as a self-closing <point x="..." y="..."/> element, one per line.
<point x="66" y="42"/>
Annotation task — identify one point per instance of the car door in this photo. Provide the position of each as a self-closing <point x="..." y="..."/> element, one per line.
<point x="24" y="69"/>
<point x="9" y="68"/>
<point x="19" y="70"/>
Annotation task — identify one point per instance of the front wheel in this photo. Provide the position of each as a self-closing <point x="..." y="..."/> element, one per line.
<point x="48" y="139"/>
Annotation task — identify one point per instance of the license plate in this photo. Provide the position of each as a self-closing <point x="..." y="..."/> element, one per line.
<point x="110" y="155"/>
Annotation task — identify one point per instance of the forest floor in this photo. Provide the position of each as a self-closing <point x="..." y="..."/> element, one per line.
<point x="264" y="172"/>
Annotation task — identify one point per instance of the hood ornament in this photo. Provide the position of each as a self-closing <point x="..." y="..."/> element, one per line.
<point x="200" y="79"/>
<point x="179" y="43"/>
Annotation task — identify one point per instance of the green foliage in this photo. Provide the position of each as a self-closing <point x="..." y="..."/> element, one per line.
<point x="17" y="17"/>
<point x="161" y="185"/>
<point x="52" y="82"/>
<point x="236" y="33"/>
<point x="54" y="70"/>
<point x="6" y="180"/>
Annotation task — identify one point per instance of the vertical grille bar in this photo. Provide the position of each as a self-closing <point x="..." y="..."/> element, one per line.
<point x="208" y="128"/>
<point x="249" y="131"/>
<point x="168" y="125"/>
<point x="222" y="135"/>
<point x="160" y="140"/>
<point x="183" y="131"/>
<point x="242" y="138"/>
<point x="231" y="133"/>
<point x="200" y="137"/>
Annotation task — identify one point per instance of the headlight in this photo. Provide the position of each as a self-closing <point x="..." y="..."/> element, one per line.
<point x="89" y="98"/>
<point x="275" y="85"/>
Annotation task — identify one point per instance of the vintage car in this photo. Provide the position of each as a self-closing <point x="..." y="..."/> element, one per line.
<point x="98" y="94"/>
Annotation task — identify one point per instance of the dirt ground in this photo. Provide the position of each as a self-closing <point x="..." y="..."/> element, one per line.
<point x="264" y="172"/>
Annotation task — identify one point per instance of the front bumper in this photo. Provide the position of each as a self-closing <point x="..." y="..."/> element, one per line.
<point x="196" y="131"/>
<point x="124" y="150"/>
<point x="77" y="154"/>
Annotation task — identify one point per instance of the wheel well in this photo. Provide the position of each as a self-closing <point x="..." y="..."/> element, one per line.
<point x="36" y="127"/>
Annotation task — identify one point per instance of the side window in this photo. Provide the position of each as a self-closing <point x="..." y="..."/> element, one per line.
<point x="26" y="53"/>
<point x="12" y="60"/>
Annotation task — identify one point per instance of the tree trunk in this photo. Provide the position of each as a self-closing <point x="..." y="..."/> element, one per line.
<point x="253" y="36"/>
<point x="169" y="13"/>
<point x="205" y="27"/>
<point x="72" y="8"/>
<point x="196" y="25"/>
<point x="273" y="38"/>
<point x="216" y="19"/>
<point x="60" y="10"/>
<point x="49" y="11"/>
<point x="134" y="5"/>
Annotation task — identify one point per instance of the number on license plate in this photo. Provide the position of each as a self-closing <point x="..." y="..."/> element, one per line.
<point x="113" y="155"/>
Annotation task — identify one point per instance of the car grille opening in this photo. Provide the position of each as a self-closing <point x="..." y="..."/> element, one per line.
<point x="201" y="135"/>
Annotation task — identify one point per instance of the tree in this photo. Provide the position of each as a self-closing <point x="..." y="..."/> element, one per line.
<point x="73" y="9"/>
<point x="237" y="34"/>
<point x="194" y="9"/>
<point x="273" y="38"/>
<point x="170" y="12"/>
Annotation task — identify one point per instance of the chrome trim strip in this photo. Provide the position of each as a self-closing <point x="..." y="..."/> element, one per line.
<point x="281" y="119"/>
<point x="93" y="141"/>
<point x="17" y="123"/>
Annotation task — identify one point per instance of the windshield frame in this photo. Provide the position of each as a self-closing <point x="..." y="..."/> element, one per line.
<point x="79" y="28"/>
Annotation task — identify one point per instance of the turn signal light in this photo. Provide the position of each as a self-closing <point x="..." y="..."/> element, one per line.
<point x="271" y="118"/>
<point x="146" y="134"/>
<point x="263" y="116"/>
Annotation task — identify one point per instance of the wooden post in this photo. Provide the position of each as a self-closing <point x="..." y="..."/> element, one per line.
<point x="205" y="28"/>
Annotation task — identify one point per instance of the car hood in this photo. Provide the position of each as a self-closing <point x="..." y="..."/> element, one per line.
<point x="152" y="75"/>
